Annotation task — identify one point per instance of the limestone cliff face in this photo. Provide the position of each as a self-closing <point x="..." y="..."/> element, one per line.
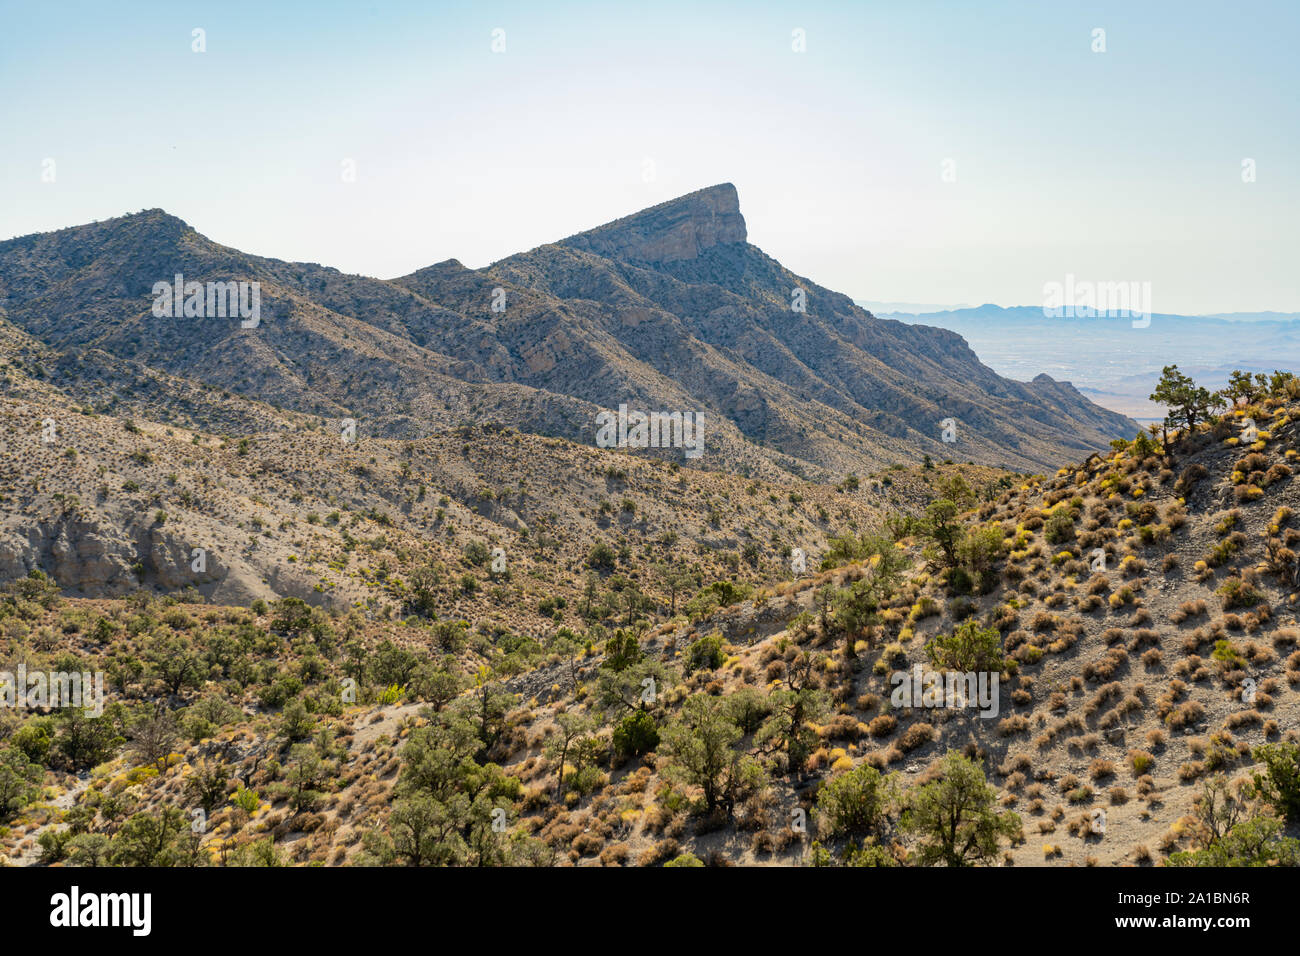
<point x="679" y="229"/>
<point x="102" y="554"/>
<point x="80" y="555"/>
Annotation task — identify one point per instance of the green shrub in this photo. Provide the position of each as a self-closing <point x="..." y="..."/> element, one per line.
<point x="1237" y="593"/>
<point x="853" y="803"/>
<point x="1258" y="841"/>
<point x="621" y="651"/>
<point x="686" y="859"/>
<point x="19" y="781"/>
<point x="705" y="654"/>
<point x="1059" y="527"/>
<point x="1281" y="785"/>
<point x="1228" y="655"/>
<point x="636" y="734"/>
<point x="54" y="845"/>
<point x="601" y="557"/>
<point x="968" y="648"/>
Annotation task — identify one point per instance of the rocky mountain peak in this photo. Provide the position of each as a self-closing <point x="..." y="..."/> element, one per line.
<point x="678" y="229"/>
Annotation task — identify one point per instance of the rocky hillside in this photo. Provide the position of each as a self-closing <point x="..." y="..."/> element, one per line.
<point x="107" y="505"/>
<point x="1128" y="624"/>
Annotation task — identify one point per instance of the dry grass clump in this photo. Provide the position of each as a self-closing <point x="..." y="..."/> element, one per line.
<point x="917" y="735"/>
<point x="1189" y="609"/>
<point x="1107" y="665"/>
<point x="1015" y="763"/>
<point x="1140" y="761"/>
<point x="1100" y="769"/>
<point x="1186" y="714"/>
<point x="882" y="726"/>
<point x="1286" y="637"/>
<point x="661" y="852"/>
<point x="1015" y="724"/>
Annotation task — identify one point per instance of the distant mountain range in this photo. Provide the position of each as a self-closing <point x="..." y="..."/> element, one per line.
<point x="669" y="309"/>
<point x="1115" y="364"/>
<point x="905" y="308"/>
<point x="899" y="309"/>
<point x="1253" y="316"/>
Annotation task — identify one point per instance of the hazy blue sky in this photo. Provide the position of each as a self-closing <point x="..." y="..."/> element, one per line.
<point x="1117" y="166"/>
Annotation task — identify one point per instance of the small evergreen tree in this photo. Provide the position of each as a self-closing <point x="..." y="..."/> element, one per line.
<point x="955" y="817"/>
<point x="1188" y="403"/>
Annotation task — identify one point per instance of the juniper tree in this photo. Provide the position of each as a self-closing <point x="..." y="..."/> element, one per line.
<point x="1187" y="402"/>
<point x="570" y="726"/>
<point x="955" y="817"/>
<point x="940" y="525"/>
<point x="857" y="607"/>
<point x="854" y="803"/>
<point x="1243" y="388"/>
<point x="570" y="647"/>
<point x="19" y="779"/>
<point x="146" y="838"/>
<point x="1280" y="785"/>
<point x="969" y="648"/>
<point x="423" y="586"/>
<point x="797" y="701"/>
<point x="208" y="783"/>
<point x="703" y="746"/>
<point x="675" y="579"/>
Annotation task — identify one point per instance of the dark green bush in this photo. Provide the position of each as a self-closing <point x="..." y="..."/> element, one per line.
<point x="705" y="654"/>
<point x="636" y="734"/>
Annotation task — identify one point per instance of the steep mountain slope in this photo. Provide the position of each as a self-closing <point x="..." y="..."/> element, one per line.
<point x="1124" y="689"/>
<point x="670" y="309"/>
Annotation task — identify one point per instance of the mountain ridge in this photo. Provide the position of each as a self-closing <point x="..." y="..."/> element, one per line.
<point x="669" y="307"/>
